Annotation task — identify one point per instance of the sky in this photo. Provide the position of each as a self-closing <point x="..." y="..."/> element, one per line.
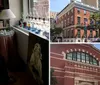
<point x="58" y="5"/>
<point x="97" y="46"/>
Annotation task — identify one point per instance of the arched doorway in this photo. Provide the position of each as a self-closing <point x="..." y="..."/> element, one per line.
<point x="85" y="83"/>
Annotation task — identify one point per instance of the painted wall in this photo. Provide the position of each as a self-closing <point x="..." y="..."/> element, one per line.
<point x="25" y="8"/>
<point x="22" y="40"/>
<point x="16" y="7"/>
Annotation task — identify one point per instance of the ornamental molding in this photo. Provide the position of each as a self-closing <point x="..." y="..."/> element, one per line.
<point x="56" y="53"/>
<point x="64" y="54"/>
<point x="78" y="5"/>
<point x="75" y="49"/>
<point x="67" y="51"/>
<point x="86" y="64"/>
<point x="81" y="50"/>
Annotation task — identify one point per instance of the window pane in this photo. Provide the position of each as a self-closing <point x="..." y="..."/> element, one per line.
<point x="84" y="11"/>
<point x="78" y="57"/>
<point x="91" y="60"/>
<point x="69" y="56"/>
<point x="85" y="21"/>
<point x="74" y="56"/>
<point x="94" y="61"/>
<point x="78" y="11"/>
<point x="87" y="58"/>
<point x="78" y="20"/>
<point x="83" y="57"/>
<point x="78" y="33"/>
<point x="90" y="33"/>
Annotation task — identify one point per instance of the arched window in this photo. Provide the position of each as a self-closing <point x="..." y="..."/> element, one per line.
<point x="82" y="57"/>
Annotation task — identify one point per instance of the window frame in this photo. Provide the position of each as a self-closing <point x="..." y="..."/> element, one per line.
<point x="87" y="60"/>
<point x="78" y="20"/>
<point x="91" y="59"/>
<point x="85" y="12"/>
<point x="91" y="33"/>
<point x="85" y="20"/>
<point x="79" y="59"/>
<point x="72" y="19"/>
<point x="74" y="56"/>
<point x="95" y="62"/>
<point x="78" y="33"/>
<point x="78" y="11"/>
<point x="82" y="57"/>
<point x="70" y="56"/>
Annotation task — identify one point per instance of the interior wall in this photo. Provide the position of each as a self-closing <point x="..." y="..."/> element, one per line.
<point x="22" y="41"/>
<point x="25" y="8"/>
<point x="16" y="7"/>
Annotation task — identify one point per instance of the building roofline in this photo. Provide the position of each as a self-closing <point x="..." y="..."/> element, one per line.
<point x="91" y="45"/>
<point x="63" y="9"/>
<point x="77" y="3"/>
<point x="96" y="48"/>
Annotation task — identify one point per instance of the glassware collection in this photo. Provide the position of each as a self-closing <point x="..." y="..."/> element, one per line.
<point x="35" y="25"/>
<point x="6" y="32"/>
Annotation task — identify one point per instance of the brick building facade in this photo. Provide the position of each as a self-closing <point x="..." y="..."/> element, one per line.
<point x="75" y="64"/>
<point x="41" y="5"/>
<point x="73" y="16"/>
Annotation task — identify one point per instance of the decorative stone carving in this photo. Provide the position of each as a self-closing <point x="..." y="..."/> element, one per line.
<point x="75" y="50"/>
<point x="83" y="50"/>
<point x="64" y="54"/>
<point x="67" y="51"/>
<point x="85" y="81"/>
<point x="86" y="51"/>
<point x="71" y="50"/>
<point x="90" y="53"/>
<point x="79" y="49"/>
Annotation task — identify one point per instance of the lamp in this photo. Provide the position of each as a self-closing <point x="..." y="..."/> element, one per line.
<point x="6" y="14"/>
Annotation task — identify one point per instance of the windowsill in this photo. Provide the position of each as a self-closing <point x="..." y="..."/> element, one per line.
<point x="78" y="62"/>
<point x="26" y="32"/>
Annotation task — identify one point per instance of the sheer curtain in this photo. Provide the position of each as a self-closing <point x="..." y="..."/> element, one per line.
<point x="7" y="45"/>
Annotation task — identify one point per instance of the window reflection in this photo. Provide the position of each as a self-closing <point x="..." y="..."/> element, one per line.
<point x="78" y="56"/>
<point x="69" y="56"/>
<point x="74" y="56"/>
<point x="87" y="58"/>
<point x="82" y="57"/>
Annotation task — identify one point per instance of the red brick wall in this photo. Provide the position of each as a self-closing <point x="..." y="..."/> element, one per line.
<point x="63" y="47"/>
<point x="81" y="15"/>
<point x="60" y="81"/>
<point x="68" y="81"/>
<point x="65" y="70"/>
<point x="74" y="14"/>
<point x="57" y="63"/>
<point x="65" y="17"/>
<point x="99" y="83"/>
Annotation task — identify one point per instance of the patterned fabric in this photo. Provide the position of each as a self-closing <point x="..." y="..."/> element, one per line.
<point x="7" y="47"/>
